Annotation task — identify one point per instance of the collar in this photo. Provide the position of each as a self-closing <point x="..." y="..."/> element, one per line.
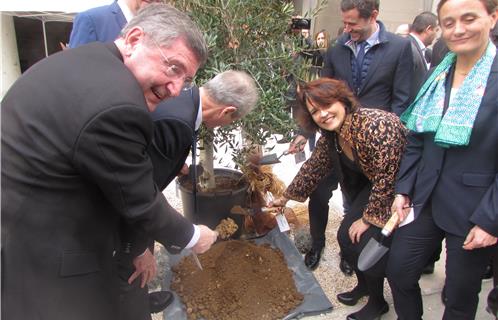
<point x="345" y="131"/>
<point x="126" y="11"/>
<point x="420" y="44"/>
<point x="198" y="120"/>
<point x="374" y="39"/>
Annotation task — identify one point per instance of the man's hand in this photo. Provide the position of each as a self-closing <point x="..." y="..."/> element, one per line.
<point x="145" y="265"/>
<point x="401" y="205"/>
<point x="297" y="145"/>
<point x="478" y="238"/>
<point x="206" y="240"/>
<point x="357" y="229"/>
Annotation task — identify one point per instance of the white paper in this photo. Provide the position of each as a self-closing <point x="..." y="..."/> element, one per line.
<point x="283" y="225"/>
<point x="409" y="218"/>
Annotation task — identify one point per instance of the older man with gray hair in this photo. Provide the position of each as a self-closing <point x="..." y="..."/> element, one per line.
<point x="75" y="163"/>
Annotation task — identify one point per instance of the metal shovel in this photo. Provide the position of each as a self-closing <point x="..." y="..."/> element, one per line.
<point x="272" y="158"/>
<point x="375" y="250"/>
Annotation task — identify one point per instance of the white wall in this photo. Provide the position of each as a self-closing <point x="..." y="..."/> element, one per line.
<point x="9" y="66"/>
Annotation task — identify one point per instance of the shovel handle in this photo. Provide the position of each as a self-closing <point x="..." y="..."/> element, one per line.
<point x="390" y="224"/>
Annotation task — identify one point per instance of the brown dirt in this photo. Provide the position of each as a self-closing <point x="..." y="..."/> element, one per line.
<point x="239" y="280"/>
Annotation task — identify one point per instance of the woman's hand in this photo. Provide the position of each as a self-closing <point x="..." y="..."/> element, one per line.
<point x="357" y="229"/>
<point x="297" y="145"/>
<point x="478" y="238"/>
<point x="401" y="205"/>
<point x="278" y="202"/>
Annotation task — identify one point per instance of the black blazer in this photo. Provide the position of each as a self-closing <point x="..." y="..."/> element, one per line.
<point x="75" y="131"/>
<point x="419" y="67"/>
<point x="174" y="127"/>
<point x="388" y="82"/>
<point x="462" y="182"/>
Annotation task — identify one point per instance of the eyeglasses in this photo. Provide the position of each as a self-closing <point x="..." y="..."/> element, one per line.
<point x="173" y="70"/>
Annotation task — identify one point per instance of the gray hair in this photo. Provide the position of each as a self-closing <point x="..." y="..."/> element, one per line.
<point x="165" y="24"/>
<point x="235" y="88"/>
<point x="365" y="7"/>
<point x="422" y="21"/>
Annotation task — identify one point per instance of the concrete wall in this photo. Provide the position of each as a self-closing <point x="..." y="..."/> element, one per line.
<point x="392" y="13"/>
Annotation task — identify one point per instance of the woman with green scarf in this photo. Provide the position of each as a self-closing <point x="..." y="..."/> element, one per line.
<point x="449" y="171"/>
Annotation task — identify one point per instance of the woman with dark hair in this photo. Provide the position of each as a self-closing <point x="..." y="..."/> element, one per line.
<point x="364" y="147"/>
<point x="449" y="171"/>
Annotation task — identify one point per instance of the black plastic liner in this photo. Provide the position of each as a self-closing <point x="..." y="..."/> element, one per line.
<point x="315" y="300"/>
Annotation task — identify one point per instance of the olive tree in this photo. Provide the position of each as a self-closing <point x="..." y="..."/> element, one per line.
<point x="253" y="36"/>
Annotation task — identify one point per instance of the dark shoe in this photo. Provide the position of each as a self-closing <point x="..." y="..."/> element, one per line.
<point x="159" y="300"/>
<point x="429" y="269"/>
<point x="351" y="298"/>
<point x="443" y="295"/>
<point x="488" y="274"/>
<point x="493" y="302"/>
<point x="346" y="267"/>
<point x="312" y="258"/>
<point x="369" y="312"/>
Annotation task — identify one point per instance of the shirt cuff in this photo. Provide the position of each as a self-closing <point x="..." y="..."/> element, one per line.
<point x="195" y="237"/>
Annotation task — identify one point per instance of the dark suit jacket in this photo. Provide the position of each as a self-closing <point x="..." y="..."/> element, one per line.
<point x="174" y="122"/>
<point x="419" y="67"/>
<point x="462" y="182"/>
<point x="74" y="161"/>
<point x="388" y="82"/>
<point x="101" y="24"/>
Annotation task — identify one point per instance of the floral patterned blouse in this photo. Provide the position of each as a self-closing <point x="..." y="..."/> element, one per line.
<point x="378" y="139"/>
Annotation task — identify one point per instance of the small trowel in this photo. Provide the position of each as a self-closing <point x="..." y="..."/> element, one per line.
<point x="272" y="158"/>
<point x="375" y="250"/>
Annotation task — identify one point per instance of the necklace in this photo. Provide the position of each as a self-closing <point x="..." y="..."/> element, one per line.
<point x="337" y="146"/>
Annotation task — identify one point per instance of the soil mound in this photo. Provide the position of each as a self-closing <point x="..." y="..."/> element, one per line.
<point x="240" y="280"/>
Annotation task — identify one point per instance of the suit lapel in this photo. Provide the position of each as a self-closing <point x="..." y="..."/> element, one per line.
<point x="419" y="51"/>
<point x="345" y="65"/>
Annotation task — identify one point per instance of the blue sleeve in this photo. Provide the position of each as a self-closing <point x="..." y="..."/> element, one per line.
<point x="83" y="32"/>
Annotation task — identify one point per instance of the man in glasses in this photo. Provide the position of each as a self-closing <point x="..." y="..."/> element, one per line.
<point x="75" y="133"/>
<point x="104" y="24"/>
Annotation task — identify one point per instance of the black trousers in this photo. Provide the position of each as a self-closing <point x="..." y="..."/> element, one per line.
<point x="373" y="278"/>
<point x="318" y="209"/>
<point x="133" y="300"/>
<point x="412" y="247"/>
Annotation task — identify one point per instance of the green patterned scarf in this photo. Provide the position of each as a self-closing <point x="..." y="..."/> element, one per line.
<point x="453" y="129"/>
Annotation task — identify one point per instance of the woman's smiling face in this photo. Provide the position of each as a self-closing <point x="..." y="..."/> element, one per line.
<point x="465" y="26"/>
<point x="329" y="118"/>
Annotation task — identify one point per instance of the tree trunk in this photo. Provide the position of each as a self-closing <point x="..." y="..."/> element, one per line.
<point x="206" y="159"/>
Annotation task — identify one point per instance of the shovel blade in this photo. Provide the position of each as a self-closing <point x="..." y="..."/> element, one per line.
<point x="371" y="254"/>
<point x="269" y="159"/>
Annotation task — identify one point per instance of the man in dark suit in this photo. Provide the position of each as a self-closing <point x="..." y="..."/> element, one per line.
<point x="222" y="100"/>
<point x="75" y="162"/>
<point x="104" y="23"/>
<point x="376" y="65"/>
<point x="423" y="31"/>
